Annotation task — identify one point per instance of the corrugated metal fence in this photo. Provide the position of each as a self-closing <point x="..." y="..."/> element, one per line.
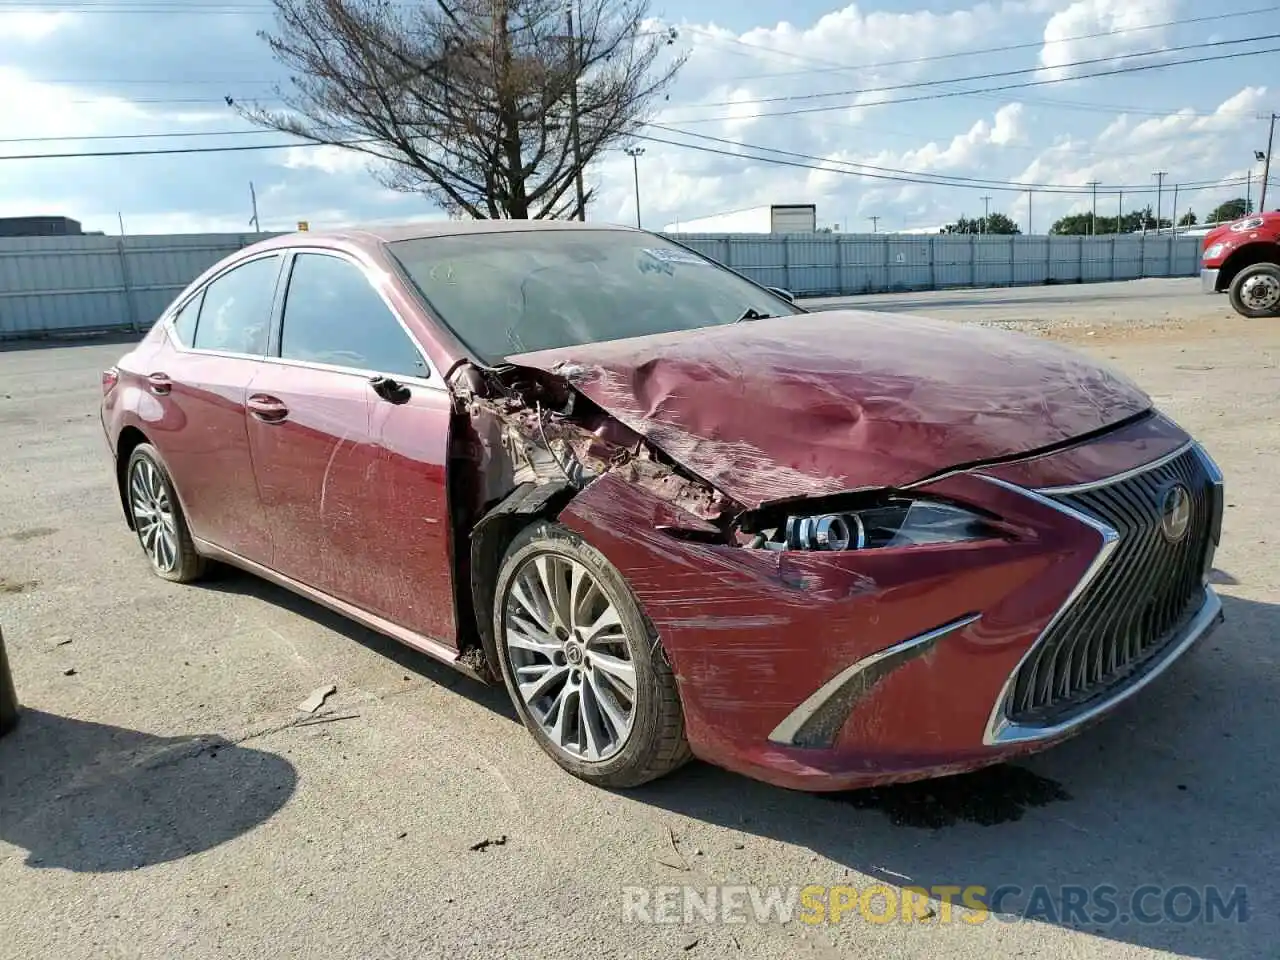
<point x="838" y="265"/>
<point x="65" y="285"/>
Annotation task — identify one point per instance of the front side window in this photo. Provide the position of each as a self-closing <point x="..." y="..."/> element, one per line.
<point x="235" y="316"/>
<point x="513" y="292"/>
<point x="333" y="315"/>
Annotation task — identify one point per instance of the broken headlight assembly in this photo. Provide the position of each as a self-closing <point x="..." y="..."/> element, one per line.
<point x="893" y="522"/>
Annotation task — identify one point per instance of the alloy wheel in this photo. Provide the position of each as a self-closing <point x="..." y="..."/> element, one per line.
<point x="570" y="657"/>
<point x="153" y="516"/>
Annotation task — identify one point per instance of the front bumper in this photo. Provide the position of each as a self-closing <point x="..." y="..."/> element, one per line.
<point x="1209" y="280"/>
<point x="834" y="671"/>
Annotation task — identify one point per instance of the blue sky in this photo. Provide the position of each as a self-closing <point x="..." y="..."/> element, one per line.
<point x="98" y="68"/>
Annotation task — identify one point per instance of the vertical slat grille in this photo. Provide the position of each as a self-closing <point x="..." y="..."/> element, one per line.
<point x="1136" y="606"/>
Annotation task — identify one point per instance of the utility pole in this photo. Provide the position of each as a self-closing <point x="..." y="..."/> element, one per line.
<point x="1266" y="164"/>
<point x="1029" y="196"/>
<point x="1174" y="218"/>
<point x="986" y="215"/>
<point x="635" y="153"/>
<point x="574" y="134"/>
<point x="253" y="198"/>
<point x="1248" y="192"/>
<point x="875" y="224"/>
<point x="1159" y="175"/>
<point x="1093" y="222"/>
<point x="1120" y="213"/>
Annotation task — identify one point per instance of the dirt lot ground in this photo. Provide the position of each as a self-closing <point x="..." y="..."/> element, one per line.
<point x="159" y="798"/>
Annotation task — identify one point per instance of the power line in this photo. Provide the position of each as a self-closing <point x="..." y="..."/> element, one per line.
<point x="170" y="151"/>
<point x="936" y="179"/>
<point x="136" y="136"/>
<point x="1216" y="185"/>
<point x="832" y="66"/>
<point x="788" y="98"/>
<point x="945" y="94"/>
<point x="820" y="164"/>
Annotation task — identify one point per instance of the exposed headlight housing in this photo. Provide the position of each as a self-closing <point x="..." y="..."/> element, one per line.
<point x="1214" y="251"/>
<point x="892" y="522"/>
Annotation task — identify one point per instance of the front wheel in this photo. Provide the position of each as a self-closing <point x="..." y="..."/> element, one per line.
<point x="1255" y="291"/>
<point x="583" y="667"/>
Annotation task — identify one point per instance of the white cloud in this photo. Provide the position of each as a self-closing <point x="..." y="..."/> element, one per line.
<point x="331" y="160"/>
<point x="31" y="26"/>
<point x="1112" y="28"/>
<point x="727" y="76"/>
<point x="967" y="149"/>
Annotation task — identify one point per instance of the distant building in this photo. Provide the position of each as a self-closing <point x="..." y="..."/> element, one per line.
<point x="39" y="227"/>
<point x="774" y="218"/>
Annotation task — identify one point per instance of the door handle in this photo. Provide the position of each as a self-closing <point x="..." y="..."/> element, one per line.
<point x="160" y="383"/>
<point x="267" y="408"/>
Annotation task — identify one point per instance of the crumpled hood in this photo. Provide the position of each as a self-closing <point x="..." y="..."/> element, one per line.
<point x="835" y="401"/>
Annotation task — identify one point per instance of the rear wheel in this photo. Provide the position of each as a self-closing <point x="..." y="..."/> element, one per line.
<point x="1255" y="291"/>
<point x="583" y="667"/>
<point x="158" y="519"/>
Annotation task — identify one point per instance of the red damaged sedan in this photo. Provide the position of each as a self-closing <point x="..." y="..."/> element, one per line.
<point x="673" y="512"/>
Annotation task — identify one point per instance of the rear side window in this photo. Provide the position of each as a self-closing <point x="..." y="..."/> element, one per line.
<point x="236" y="313"/>
<point x="333" y="315"/>
<point x="184" y="321"/>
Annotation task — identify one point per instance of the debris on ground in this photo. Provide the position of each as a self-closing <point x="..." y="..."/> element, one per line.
<point x="324" y="718"/>
<point x="69" y="672"/>
<point x="484" y="845"/>
<point x="690" y="943"/>
<point x="317" y="698"/>
<point x="676" y="862"/>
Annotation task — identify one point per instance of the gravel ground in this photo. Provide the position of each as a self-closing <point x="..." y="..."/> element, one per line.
<point x="160" y="798"/>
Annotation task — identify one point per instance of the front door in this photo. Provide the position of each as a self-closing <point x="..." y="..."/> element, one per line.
<point x="352" y="476"/>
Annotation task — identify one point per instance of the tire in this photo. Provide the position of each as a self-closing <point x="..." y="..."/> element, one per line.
<point x="653" y="743"/>
<point x="149" y="491"/>
<point x="1255" y="291"/>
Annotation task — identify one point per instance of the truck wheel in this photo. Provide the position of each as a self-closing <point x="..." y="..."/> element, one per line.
<point x="1255" y="291"/>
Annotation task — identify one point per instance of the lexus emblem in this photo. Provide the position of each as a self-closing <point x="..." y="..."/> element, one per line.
<point x="1175" y="513"/>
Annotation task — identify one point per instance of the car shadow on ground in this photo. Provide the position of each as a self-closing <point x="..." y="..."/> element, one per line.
<point x="492" y="696"/>
<point x="94" y="798"/>
<point x="1176" y="790"/>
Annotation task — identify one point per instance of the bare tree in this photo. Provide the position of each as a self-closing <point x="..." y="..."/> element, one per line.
<point x="470" y="102"/>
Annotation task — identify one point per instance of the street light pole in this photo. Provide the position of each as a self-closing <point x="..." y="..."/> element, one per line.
<point x="986" y="214"/>
<point x="1159" y="175"/>
<point x="1093" y="222"/>
<point x="635" y="153"/>
<point x="1266" y="164"/>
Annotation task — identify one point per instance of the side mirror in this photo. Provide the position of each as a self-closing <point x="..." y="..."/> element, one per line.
<point x="786" y="295"/>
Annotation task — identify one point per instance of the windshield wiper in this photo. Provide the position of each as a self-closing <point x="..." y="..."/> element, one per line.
<point x="751" y="313"/>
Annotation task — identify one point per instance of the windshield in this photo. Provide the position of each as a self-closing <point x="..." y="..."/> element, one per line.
<point x="508" y="293"/>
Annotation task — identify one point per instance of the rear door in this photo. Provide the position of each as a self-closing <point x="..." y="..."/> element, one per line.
<point x="200" y="388"/>
<point x="352" y="475"/>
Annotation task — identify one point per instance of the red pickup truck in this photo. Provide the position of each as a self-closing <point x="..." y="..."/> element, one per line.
<point x="1242" y="259"/>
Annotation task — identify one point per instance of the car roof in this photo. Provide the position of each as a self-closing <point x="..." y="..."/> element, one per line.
<point x="390" y="233"/>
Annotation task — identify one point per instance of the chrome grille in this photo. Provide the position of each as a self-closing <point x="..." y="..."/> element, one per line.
<point x="1136" y="605"/>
